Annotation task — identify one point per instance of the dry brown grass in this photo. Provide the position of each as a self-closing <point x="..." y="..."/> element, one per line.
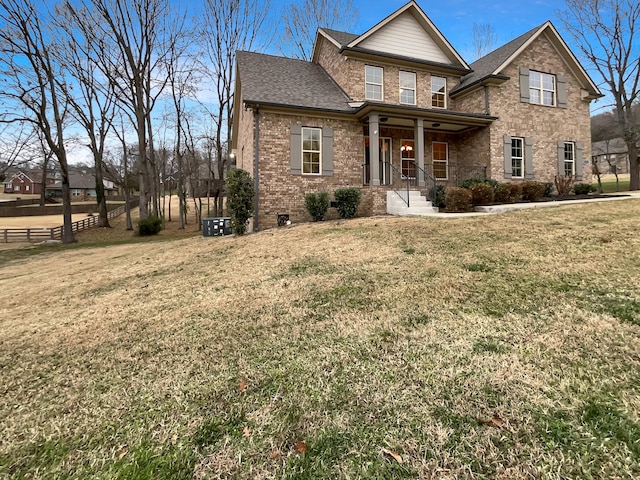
<point x="490" y="347"/>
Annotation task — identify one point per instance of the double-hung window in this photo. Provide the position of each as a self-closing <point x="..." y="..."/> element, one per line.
<point x="542" y="88"/>
<point x="569" y="159"/>
<point x="517" y="157"/>
<point x="407" y="87"/>
<point x="438" y="92"/>
<point x="373" y="78"/>
<point x="440" y="160"/>
<point x="311" y="150"/>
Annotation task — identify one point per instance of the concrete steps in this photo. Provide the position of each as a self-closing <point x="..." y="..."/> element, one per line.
<point x="418" y="205"/>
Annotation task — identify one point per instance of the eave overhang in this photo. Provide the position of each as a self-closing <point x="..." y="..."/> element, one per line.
<point x="491" y="80"/>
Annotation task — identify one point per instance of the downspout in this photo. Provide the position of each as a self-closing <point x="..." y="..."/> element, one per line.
<point x="256" y="171"/>
<point x="487" y="109"/>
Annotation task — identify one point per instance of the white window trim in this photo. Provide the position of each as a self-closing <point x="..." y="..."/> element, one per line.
<point x="319" y="151"/>
<point x="414" y="89"/>
<point x="444" y="94"/>
<point x="573" y="160"/>
<point x="381" y="99"/>
<point x="541" y="89"/>
<point x="411" y="149"/>
<point x="446" y="162"/>
<point x="522" y="149"/>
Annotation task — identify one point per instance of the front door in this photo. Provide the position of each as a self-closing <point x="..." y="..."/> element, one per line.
<point x="384" y="148"/>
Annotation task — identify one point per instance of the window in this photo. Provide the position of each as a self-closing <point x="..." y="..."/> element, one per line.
<point x="373" y="82"/>
<point x="517" y="157"/>
<point x="542" y="88"/>
<point x="407" y="87"/>
<point x="75" y="192"/>
<point x="311" y="141"/>
<point x="438" y="92"/>
<point x="16" y="188"/>
<point x="408" y="155"/>
<point x="27" y="188"/>
<point x="569" y="159"/>
<point x="440" y="160"/>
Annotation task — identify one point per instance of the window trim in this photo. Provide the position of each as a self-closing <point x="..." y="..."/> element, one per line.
<point x="435" y="92"/>
<point x="541" y="89"/>
<point x="573" y="159"/>
<point x="411" y="148"/>
<point x="303" y="151"/>
<point x="446" y="161"/>
<point x="414" y="89"/>
<point x="521" y="158"/>
<point x="381" y="84"/>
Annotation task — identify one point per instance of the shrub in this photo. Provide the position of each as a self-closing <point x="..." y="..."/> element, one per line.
<point x="563" y="184"/>
<point x="317" y="205"/>
<point x="502" y="193"/>
<point x="548" y="189"/>
<point x="583" y="188"/>
<point x="240" y="196"/>
<point x="149" y="226"/>
<point x="515" y="191"/>
<point x="532" y="191"/>
<point x="481" y="193"/>
<point x="458" y="200"/>
<point x="436" y="195"/>
<point x="347" y="200"/>
<point x="469" y="182"/>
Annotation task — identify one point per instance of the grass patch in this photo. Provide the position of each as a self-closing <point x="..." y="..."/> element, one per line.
<point x="503" y="346"/>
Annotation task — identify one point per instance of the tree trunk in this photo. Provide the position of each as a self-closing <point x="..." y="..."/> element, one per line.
<point x="103" y="216"/>
<point x="43" y="189"/>
<point x="67" y="232"/>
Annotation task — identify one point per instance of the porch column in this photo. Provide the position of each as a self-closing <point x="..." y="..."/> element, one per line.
<point x="418" y="140"/>
<point x="374" y="149"/>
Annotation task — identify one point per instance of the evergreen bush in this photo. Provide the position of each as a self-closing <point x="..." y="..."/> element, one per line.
<point x="240" y="195"/>
<point x="458" y="200"/>
<point x="317" y="205"/>
<point x="347" y="201"/>
<point x="532" y="191"/>
<point x="149" y="226"/>
<point x="481" y="194"/>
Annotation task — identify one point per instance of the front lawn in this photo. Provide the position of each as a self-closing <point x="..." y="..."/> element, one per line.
<point x="487" y="347"/>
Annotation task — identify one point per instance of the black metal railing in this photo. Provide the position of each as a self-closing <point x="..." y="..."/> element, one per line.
<point x="429" y="185"/>
<point x="405" y="181"/>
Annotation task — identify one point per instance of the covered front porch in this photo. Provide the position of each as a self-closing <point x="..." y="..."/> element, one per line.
<point x="419" y="149"/>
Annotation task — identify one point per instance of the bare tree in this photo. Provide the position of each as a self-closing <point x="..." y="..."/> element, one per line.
<point x="31" y="84"/>
<point x="483" y="39"/>
<point x="302" y="20"/>
<point x="608" y="35"/>
<point x="229" y="26"/>
<point x="16" y="147"/>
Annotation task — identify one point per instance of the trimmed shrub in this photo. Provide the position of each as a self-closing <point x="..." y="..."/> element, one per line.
<point x="502" y="193"/>
<point x="149" y="226"/>
<point x="481" y="194"/>
<point x="317" y="205"/>
<point x="347" y="201"/>
<point x="240" y="196"/>
<point x="532" y="191"/>
<point x="515" y="191"/>
<point x="436" y="195"/>
<point x="548" y="189"/>
<point x="469" y="182"/>
<point x="458" y="200"/>
<point x="563" y="184"/>
<point x="583" y="188"/>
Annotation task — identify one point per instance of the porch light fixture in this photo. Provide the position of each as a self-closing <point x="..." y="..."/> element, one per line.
<point x="435" y="125"/>
<point x="406" y="148"/>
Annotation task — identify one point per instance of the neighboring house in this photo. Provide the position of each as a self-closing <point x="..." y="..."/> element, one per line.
<point x="82" y="184"/>
<point x="23" y="181"/>
<point x="611" y="156"/>
<point x="519" y="113"/>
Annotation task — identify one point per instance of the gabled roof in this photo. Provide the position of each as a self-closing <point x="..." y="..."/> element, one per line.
<point x="492" y="64"/>
<point x="406" y="35"/>
<point x="270" y="80"/>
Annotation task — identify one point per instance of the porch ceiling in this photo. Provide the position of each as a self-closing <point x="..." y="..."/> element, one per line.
<point x="434" y="120"/>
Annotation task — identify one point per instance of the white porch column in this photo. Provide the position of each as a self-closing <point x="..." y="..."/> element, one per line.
<point x="374" y="148"/>
<point x="418" y="140"/>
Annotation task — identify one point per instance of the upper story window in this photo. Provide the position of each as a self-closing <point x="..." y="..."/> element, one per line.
<point x="542" y="88"/>
<point x="407" y="87"/>
<point x="438" y="92"/>
<point x="311" y="141"/>
<point x="373" y="82"/>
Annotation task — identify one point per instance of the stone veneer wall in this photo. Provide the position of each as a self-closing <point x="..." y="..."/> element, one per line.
<point x="524" y="119"/>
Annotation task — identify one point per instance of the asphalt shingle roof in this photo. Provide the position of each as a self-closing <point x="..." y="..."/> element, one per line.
<point x="485" y="66"/>
<point x="343" y="38"/>
<point x="284" y="81"/>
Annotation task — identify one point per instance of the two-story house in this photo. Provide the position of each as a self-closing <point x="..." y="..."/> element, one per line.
<point x="398" y="106"/>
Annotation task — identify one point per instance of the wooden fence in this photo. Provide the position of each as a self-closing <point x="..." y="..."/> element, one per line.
<point x="41" y="234"/>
